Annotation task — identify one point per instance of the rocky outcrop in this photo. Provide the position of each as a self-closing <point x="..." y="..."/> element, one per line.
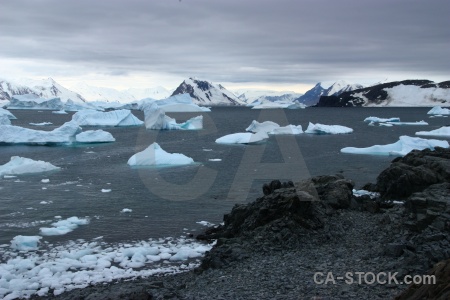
<point x="413" y="173"/>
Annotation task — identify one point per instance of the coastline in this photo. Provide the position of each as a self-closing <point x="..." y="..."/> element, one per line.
<point x="264" y="252"/>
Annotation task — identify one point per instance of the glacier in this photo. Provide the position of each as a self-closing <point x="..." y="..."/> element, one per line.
<point x="243" y="138"/>
<point x="327" y="129"/>
<point x="155" y="118"/>
<point x="444" y="131"/>
<point x="403" y="146"/>
<point x="22" y="165"/>
<point x="94" y="136"/>
<point x="154" y="155"/>
<point x="122" y="117"/>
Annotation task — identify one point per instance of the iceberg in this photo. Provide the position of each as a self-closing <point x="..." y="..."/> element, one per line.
<point x="154" y="155"/>
<point x="7" y="113"/>
<point x="122" y="117"/>
<point x="31" y="101"/>
<point x="177" y="103"/>
<point x="327" y="129"/>
<point x="78" y="106"/>
<point x="155" y="118"/>
<point x="437" y="110"/>
<point x="408" y="123"/>
<point x="16" y="134"/>
<point x="94" y="136"/>
<point x="4" y="120"/>
<point x="21" y="165"/>
<point x="266" y="126"/>
<point x="289" y="129"/>
<point x="63" y="226"/>
<point x="243" y="138"/>
<point x="402" y="147"/>
<point x="444" y="131"/>
<point x="25" y="243"/>
<point x="381" y="120"/>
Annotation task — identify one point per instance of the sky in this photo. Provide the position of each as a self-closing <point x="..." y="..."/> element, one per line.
<point x="276" y="44"/>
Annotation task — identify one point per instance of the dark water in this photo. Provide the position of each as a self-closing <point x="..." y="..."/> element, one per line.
<point x="167" y="200"/>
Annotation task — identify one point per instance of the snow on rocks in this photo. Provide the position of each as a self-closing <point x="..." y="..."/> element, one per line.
<point x="21" y="165"/>
<point x="243" y="138"/>
<point x="402" y="147"/>
<point x="154" y="155"/>
<point x="155" y="118"/>
<point x="327" y="129"/>
<point x="94" y="136"/>
<point x="25" y="243"/>
<point x="79" y="264"/>
<point x="64" y="226"/>
<point x="444" y="131"/>
<point x="122" y="117"/>
<point x="437" y="110"/>
<point x="16" y="134"/>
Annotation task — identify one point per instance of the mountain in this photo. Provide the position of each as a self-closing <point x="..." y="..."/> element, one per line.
<point x="312" y="96"/>
<point x="94" y="93"/>
<point x="206" y="93"/>
<point x="252" y="95"/>
<point x="404" y="93"/>
<point x="47" y="88"/>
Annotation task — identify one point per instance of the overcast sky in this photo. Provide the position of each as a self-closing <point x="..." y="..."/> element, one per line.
<point x="279" y="44"/>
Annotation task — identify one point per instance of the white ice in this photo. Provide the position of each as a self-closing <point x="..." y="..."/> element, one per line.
<point x="155" y="118"/>
<point x="266" y="126"/>
<point x="402" y="147"/>
<point x="289" y="129"/>
<point x="242" y="138"/>
<point x="31" y="101"/>
<point x="327" y="129"/>
<point x="444" y="131"/>
<point x="437" y="110"/>
<point x="64" y="226"/>
<point x="59" y="112"/>
<point x="17" y="134"/>
<point x="154" y="155"/>
<point x="274" y="105"/>
<point x="381" y="120"/>
<point x="4" y="112"/>
<point x="41" y="124"/>
<point x="106" y="190"/>
<point x="176" y="103"/>
<point x="94" y="136"/>
<point x="359" y="193"/>
<point x="126" y="210"/>
<point x="419" y="123"/>
<point x="24" y="243"/>
<point x="122" y="117"/>
<point x="21" y="165"/>
<point x="4" y="120"/>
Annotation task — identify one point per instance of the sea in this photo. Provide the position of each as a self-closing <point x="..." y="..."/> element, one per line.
<point x="126" y="205"/>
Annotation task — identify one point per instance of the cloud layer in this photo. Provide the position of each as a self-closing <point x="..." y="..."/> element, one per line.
<point x="285" y="41"/>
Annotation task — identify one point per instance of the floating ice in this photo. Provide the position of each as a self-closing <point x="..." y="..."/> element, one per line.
<point x="327" y="129"/>
<point x="4" y="120"/>
<point x="437" y="110"/>
<point x="122" y="117"/>
<point x="155" y="155"/>
<point x="176" y="103"/>
<point x="126" y="210"/>
<point x="205" y="223"/>
<point x="17" y="134"/>
<point x="155" y="118"/>
<point x="41" y="124"/>
<point x="402" y="147"/>
<point x="386" y="124"/>
<point x="59" y="112"/>
<point x="289" y="129"/>
<point x="420" y="123"/>
<point x="45" y="180"/>
<point x="443" y="131"/>
<point x="265" y="126"/>
<point x="106" y="190"/>
<point x="94" y="136"/>
<point x="21" y="165"/>
<point x="215" y="159"/>
<point x="7" y="113"/>
<point x="243" y="138"/>
<point x="23" y="243"/>
<point x="381" y="120"/>
<point x="63" y="226"/>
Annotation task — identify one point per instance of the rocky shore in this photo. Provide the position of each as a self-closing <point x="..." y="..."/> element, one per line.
<point x="274" y="247"/>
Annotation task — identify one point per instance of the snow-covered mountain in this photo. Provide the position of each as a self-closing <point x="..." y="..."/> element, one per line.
<point x="406" y="93"/>
<point x="206" y="93"/>
<point x="252" y="95"/>
<point x="46" y="88"/>
<point x="94" y="93"/>
<point x="312" y="96"/>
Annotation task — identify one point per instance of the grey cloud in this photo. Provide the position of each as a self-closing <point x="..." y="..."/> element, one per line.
<point x="289" y="41"/>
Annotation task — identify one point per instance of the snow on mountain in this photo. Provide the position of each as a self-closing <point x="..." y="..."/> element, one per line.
<point x="252" y="95"/>
<point x="49" y="88"/>
<point x="406" y="93"/>
<point x="95" y="93"/>
<point x="341" y="86"/>
<point x="312" y="96"/>
<point x="207" y="93"/>
<point x="9" y="89"/>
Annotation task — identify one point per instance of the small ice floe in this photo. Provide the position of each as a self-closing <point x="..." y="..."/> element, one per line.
<point x="154" y="155"/>
<point x="126" y="210"/>
<point x="327" y="129"/>
<point x="386" y="124"/>
<point x="418" y="123"/>
<point x="41" y="124"/>
<point x="106" y="190"/>
<point x="243" y="138"/>
<point x="94" y="136"/>
<point x="380" y="120"/>
<point x="207" y="150"/>
<point x="359" y="193"/>
<point x="439" y="111"/>
<point x="64" y="226"/>
<point x="45" y="202"/>
<point x="59" y="112"/>
<point x="215" y="159"/>
<point x="205" y="223"/>
<point x="25" y="243"/>
<point x="21" y="165"/>
<point x="443" y="131"/>
<point x="45" y="180"/>
<point x="9" y="176"/>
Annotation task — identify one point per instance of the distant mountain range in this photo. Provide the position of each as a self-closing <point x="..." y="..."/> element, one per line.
<point x="404" y="93"/>
<point x="312" y="96"/>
